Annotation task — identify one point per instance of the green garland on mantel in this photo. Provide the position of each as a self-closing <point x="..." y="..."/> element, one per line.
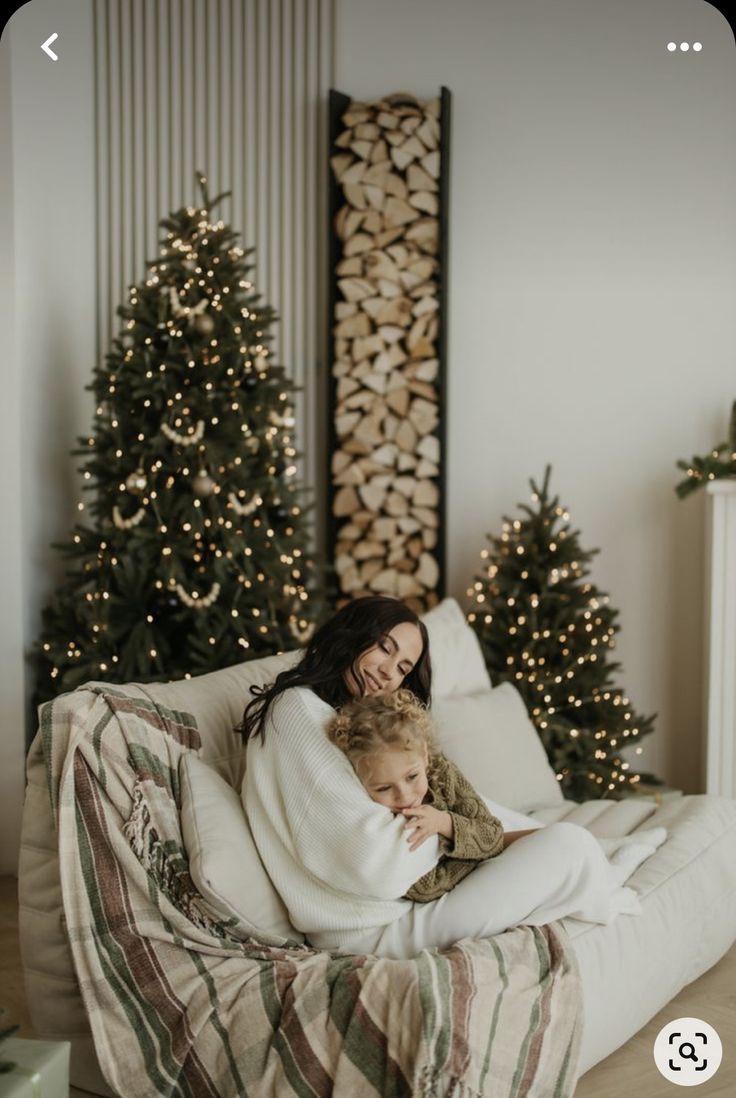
<point x="720" y="462"/>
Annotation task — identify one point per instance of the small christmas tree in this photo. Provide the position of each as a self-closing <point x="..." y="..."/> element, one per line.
<point x="196" y="556"/>
<point x="543" y="627"/>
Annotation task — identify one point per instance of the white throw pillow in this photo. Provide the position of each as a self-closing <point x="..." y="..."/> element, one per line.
<point x="490" y="737"/>
<point x="223" y="860"/>
<point x="458" y="666"/>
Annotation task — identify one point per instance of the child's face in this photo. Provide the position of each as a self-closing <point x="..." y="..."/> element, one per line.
<point x="395" y="778"/>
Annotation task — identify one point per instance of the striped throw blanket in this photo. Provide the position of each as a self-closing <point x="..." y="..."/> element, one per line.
<point x="181" y="1005"/>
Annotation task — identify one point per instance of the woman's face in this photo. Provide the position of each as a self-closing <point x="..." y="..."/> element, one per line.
<point x="384" y="667"/>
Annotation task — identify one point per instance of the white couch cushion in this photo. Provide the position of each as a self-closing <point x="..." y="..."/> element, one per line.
<point x="216" y="702"/>
<point x="457" y="660"/>
<point x="490" y="737"/>
<point x="223" y="859"/>
<point x="631" y="968"/>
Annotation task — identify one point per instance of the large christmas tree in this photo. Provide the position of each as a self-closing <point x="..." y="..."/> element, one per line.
<point x="544" y="627"/>
<point x="194" y="555"/>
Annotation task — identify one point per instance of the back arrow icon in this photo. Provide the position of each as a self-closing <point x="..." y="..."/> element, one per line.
<point x="46" y="47"/>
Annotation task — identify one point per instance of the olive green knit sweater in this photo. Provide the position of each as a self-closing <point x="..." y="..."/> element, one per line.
<point x="477" y="835"/>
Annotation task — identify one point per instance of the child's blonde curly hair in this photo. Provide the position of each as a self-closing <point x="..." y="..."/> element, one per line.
<point x="370" y="724"/>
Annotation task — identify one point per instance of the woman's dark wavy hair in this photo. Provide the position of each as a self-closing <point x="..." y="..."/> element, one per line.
<point x="334" y="650"/>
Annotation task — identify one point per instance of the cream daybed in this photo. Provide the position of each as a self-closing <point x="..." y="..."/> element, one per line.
<point x="630" y="968"/>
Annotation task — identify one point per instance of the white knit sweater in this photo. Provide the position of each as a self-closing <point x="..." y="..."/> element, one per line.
<point x="339" y="860"/>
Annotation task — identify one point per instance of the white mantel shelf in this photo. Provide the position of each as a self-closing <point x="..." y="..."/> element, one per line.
<point x="720" y="747"/>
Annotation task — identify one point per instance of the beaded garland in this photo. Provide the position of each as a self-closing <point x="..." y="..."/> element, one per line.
<point x="129" y="523"/>
<point x="244" y="508"/>
<point x="184" y="440"/>
<point x="196" y="603"/>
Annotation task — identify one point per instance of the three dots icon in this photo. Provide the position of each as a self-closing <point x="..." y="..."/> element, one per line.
<point x="684" y="46"/>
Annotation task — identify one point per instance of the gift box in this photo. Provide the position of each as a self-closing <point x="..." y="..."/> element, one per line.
<point x="41" y="1069"/>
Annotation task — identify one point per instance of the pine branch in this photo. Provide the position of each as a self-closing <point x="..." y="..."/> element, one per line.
<point x="721" y="462"/>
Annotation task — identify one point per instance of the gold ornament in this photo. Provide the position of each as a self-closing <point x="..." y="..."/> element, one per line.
<point x="203" y="485"/>
<point x="136" y="482"/>
<point x="204" y="325"/>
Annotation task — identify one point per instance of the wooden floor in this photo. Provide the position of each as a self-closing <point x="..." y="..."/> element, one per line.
<point x="629" y="1070"/>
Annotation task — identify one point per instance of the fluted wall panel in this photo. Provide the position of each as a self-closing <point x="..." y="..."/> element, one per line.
<point x="237" y="89"/>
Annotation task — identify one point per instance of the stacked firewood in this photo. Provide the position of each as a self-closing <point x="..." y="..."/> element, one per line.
<point x="386" y="463"/>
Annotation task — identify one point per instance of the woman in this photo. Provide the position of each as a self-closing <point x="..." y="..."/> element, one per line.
<point x="339" y="860"/>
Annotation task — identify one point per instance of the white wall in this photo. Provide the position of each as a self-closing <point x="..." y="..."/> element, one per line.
<point x="78" y="188"/>
<point x="592" y="275"/>
<point x="11" y="661"/>
<point x="54" y="198"/>
<point x="48" y="183"/>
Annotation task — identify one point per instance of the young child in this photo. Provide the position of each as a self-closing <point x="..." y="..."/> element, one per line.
<point x="389" y="742"/>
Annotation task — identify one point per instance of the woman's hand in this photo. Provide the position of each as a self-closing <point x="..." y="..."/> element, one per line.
<point x="423" y="821"/>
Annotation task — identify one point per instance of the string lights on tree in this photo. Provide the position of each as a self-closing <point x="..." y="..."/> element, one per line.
<point x="194" y="555"/>
<point x="544" y="627"/>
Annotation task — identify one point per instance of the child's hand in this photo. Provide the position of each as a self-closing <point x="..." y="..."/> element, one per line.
<point x="423" y="821"/>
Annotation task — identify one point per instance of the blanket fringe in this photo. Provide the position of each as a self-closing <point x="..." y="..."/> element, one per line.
<point x="167" y="863"/>
<point x="136" y="826"/>
<point x="435" y="1083"/>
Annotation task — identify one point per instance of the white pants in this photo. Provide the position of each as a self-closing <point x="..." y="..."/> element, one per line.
<point x="559" y="870"/>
